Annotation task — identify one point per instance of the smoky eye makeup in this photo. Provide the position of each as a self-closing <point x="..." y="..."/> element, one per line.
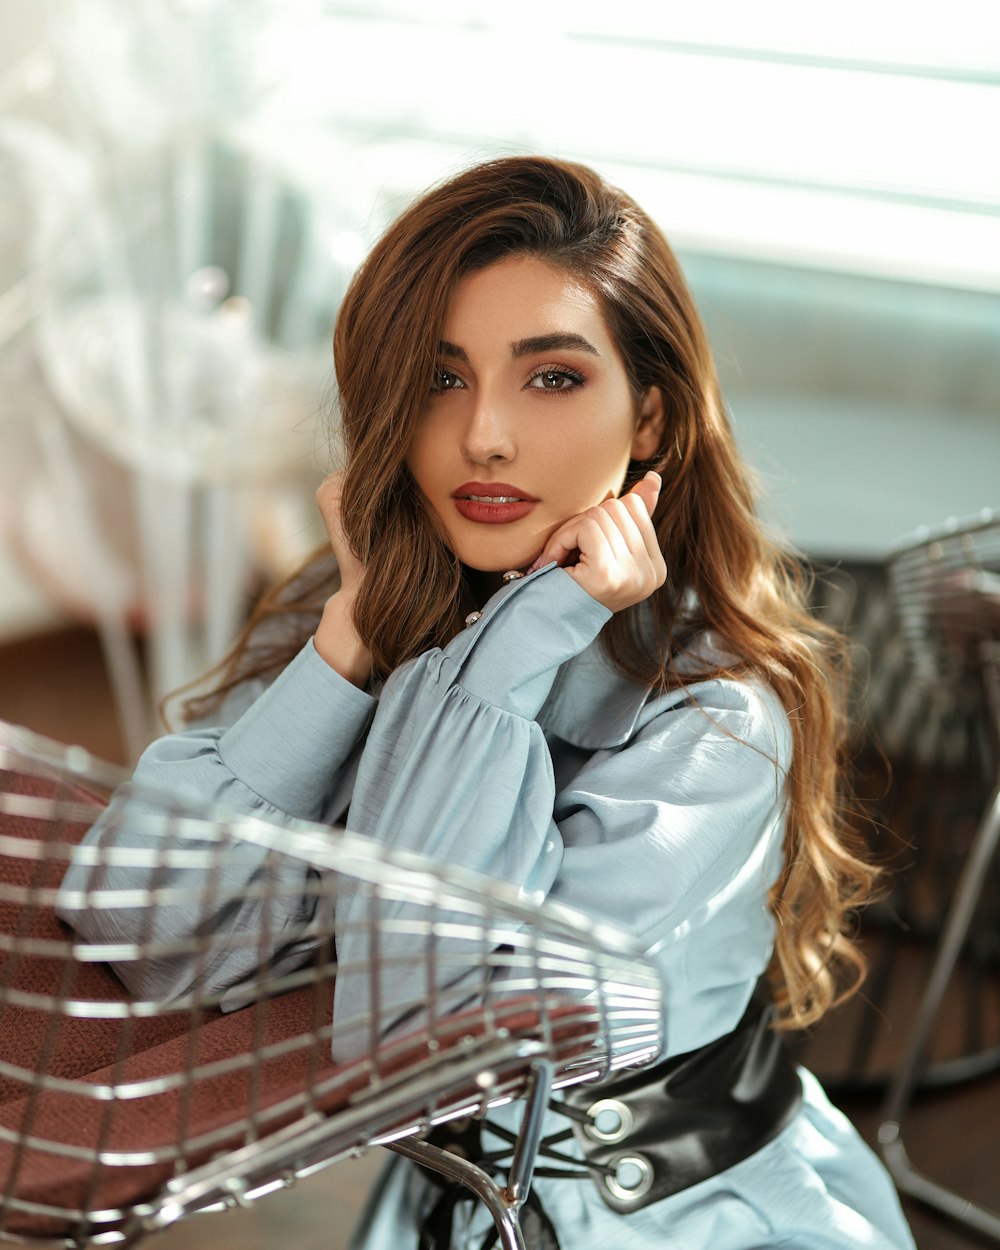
<point x="555" y="379"/>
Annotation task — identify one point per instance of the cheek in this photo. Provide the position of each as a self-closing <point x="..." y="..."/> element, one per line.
<point x="603" y="447"/>
<point x="431" y="443"/>
<point x="419" y="459"/>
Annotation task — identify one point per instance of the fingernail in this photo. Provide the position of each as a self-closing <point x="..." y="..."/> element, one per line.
<point x="653" y="474"/>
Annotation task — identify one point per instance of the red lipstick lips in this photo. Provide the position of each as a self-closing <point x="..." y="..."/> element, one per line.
<point x="492" y="503"/>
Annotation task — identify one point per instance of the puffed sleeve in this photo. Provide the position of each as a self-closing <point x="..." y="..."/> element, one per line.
<point x="291" y="754"/>
<point x="674" y="833"/>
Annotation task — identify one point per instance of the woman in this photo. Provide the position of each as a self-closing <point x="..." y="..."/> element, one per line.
<point x="561" y="651"/>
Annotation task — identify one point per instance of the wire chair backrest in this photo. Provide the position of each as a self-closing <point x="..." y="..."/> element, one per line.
<point x="946" y="586"/>
<point x="223" y="1069"/>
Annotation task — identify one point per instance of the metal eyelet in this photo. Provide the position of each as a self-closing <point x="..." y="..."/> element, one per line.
<point x="512" y="575"/>
<point x="472" y="618"/>
<point x="619" y="1115"/>
<point x="635" y="1186"/>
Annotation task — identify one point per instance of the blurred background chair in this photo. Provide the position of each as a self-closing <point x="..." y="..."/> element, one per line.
<point x="180" y="300"/>
<point x="121" y="1114"/>
<point x="946" y="586"/>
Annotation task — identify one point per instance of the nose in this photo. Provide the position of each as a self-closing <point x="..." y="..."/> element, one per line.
<point x="488" y="436"/>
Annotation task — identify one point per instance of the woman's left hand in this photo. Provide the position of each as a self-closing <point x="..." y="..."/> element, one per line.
<point x="618" y="560"/>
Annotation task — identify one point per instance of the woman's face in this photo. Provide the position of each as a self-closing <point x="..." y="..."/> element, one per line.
<point x="530" y="418"/>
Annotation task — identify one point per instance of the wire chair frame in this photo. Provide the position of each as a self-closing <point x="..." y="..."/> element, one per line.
<point x="221" y="1073"/>
<point x="946" y="585"/>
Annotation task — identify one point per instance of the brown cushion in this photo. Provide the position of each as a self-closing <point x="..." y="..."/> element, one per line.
<point x="192" y="1123"/>
<point x="59" y="1045"/>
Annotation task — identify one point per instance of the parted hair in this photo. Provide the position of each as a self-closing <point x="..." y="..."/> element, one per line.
<point x="723" y="571"/>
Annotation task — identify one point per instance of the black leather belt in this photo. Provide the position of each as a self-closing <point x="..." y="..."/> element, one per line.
<point x="655" y="1131"/>
<point x="650" y="1132"/>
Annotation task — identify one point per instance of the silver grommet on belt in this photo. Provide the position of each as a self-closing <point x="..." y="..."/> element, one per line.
<point x="632" y="1180"/>
<point x="610" y="1120"/>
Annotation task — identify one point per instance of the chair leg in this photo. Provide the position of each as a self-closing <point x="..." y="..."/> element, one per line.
<point x="907" y="1177"/>
<point x="528" y="1139"/>
<point x="503" y="1204"/>
<point x="474" y="1178"/>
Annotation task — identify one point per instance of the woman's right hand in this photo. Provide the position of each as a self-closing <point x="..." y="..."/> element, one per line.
<point x="337" y="639"/>
<point x="328" y="500"/>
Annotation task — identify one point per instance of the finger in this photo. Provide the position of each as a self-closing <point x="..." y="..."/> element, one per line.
<point x="329" y="500"/>
<point x="328" y="495"/>
<point x="636" y="529"/>
<point x="565" y="540"/>
<point x="560" y="545"/>
<point x="333" y="482"/>
<point x="646" y="530"/>
<point x="648" y="490"/>
<point x="596" y="535"/>
<point x="614" y="565"/>
<point x="619" y="526"/>
<point x="581" y="534"/>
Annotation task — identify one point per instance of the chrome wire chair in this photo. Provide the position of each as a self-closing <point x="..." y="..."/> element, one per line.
<point x="946" y="586"/>
<point x="121" y="1113"/>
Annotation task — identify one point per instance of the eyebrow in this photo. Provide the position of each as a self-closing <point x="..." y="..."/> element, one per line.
<point x="552" y="343"/>
<point x="528" y="347"/>
<point x="453" y="351"/>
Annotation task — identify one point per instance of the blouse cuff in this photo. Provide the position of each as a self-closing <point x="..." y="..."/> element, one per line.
<point x="509" y="656"/>
<point x="288" y="745"/>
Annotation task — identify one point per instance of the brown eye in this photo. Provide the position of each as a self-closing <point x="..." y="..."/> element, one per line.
<point x="556" y="380"/>
<point x="445" y="381"/>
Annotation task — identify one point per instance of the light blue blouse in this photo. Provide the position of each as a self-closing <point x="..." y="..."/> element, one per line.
<point x="518" y="752"/>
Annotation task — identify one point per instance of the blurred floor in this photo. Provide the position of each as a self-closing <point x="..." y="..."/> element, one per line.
<point x="56" y="685"/>
<point x="315" y="1214"/>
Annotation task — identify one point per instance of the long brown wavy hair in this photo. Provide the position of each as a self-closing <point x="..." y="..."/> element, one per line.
<point x="415" y="592"/>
